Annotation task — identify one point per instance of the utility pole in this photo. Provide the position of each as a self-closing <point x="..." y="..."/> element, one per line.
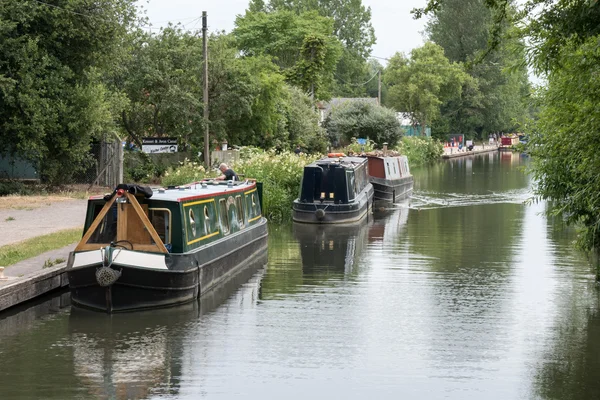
<point x="205" y="95"/>
<point x="379" y="87"/>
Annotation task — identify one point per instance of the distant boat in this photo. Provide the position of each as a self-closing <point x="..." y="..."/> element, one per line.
<point x="391" y="177"/>
<point x="334" y="190"/>
<point x="145" y="248"/>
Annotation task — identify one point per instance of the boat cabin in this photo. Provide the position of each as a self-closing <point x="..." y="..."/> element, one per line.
<point x="174" y="220"/>
<point x="389" y="168"/>
<point x="334" y="180"/>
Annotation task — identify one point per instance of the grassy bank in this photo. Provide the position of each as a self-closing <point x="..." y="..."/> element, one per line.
<point x="13" y="253"/>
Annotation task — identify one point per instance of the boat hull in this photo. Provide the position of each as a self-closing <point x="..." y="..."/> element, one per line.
<point x="331" y="213"/>
<point x="392" y="190"/>
<point x="176" y="279"/>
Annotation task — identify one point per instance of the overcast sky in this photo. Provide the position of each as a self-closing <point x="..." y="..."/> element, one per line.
<point x="395" y="28"/>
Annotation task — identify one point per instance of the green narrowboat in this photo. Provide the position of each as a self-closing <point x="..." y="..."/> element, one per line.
<point x="145" y="248"/>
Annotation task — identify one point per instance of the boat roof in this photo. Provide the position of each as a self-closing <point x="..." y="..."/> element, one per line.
<point x="196" y="190"/>
<point x="344" y="161"/>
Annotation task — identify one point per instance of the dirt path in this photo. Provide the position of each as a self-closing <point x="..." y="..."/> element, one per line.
<point x="27" y="219"/>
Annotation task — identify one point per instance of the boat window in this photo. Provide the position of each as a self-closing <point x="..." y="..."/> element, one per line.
<point x="350" y="184"/>
<point x="106" y="232"/>
<point x="388" y="169"/>
<point x="161" y="221"/>
<point x="223" y="216"/>
<point x="239" y="204"/>
<point x="192" y="222"/>
<point x="206" y="221"/>
<point x="395" y="171"/>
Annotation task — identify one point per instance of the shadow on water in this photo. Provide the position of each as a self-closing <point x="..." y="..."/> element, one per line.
<point x="74" y="352"/>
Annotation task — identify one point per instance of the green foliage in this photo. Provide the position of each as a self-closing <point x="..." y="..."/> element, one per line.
<point x="163" y="80"/>
<point x="419" y="85"/>
<point x="303" y="46"/>
<point x="362" y="119"/>
<point x="281" y="174"/>
<point x="494" y="99"/>
<point x="53" y="64"/>
<point x="420" y="150"/>
<point x="187" y="172"/>
<point x="564" y="145"/>
<point x="302" y="122"/>
<point x="351" y="25"/>
<point x="356" y="148"/>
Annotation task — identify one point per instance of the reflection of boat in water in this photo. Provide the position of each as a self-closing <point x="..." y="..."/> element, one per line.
<point x="134" y="356"/>
<point x="330" y="248"/>
<point x="388" y="224"/>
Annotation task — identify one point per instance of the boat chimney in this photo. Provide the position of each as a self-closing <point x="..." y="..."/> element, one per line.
<point x="385" y="149"/>
<point x="2" y="277"/>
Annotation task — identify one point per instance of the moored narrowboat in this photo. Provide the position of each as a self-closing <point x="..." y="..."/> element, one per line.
<point x="334" y="190"/>
<point x="391" y="177"/>
<point x="145" y="248"/>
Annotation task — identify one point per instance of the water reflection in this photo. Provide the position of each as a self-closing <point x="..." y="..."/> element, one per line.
<point x="330" y="251"/>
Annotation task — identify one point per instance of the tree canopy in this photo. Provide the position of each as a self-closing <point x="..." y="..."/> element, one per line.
<point x="419" y="85"/>
<point x="54" y="95"/>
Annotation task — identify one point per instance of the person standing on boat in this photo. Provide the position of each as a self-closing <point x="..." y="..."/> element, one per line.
<point x="228" y="174"/>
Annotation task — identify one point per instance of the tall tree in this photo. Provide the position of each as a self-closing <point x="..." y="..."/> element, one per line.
<point x="461" y="27"/>
<point x="303" y="46"/>
<point x="351" y="25"/>
<point x="53" y="62"/>
<point x="419" y="85"/>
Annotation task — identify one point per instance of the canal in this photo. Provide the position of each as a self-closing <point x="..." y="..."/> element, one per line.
<point x="464" y="292"/>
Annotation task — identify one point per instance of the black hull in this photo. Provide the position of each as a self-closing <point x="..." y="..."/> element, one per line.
<point x="309" y="213"/>
<point x="188" y="276"/>
<point x="392" y="190"/>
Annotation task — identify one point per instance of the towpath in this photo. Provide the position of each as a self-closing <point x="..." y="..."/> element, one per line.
<point x="27" y="219"/>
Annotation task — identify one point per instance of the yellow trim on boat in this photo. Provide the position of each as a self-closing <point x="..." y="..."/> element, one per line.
<point x="253" y="190"/>
<point x="203" y="237"/>
<point x="255" y="218"/>
<point x="198" y="202"/>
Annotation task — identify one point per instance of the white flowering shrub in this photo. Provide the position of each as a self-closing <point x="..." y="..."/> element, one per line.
<point x="280" y="174"/>
<point x="187" y="172"/>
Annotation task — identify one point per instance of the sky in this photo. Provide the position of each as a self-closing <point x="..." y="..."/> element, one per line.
<point x="395" y="28"/>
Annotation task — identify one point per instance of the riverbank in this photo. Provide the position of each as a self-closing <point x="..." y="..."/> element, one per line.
<point x="453" y="152"/>
<point x="29" y="219"/>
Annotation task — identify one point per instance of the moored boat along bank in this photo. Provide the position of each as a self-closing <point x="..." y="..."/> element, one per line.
<point x="145" y="248"/>
<point x="334" y="190"/>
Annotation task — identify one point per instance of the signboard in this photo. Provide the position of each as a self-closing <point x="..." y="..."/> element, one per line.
<point x="159" y="145"/>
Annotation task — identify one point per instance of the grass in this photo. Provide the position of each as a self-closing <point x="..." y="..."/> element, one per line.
<point x="9" y="219"/>
<point x="13" y="253"/>
<point x="51" y="263"/>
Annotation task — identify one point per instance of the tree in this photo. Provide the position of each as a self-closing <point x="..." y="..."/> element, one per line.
<point x="163" y="81"/>
<point x="302" y="122"/>
<point x="53" y="95"/>
<point x="363" y="119"/>
<point x="421" y="84"/>
<point x="461" y="28"/>
<point x="351" y="25"/>
<point x="303" y="46"/>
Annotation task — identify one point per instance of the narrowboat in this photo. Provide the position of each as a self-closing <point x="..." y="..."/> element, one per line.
<point x="334" y="190"/>
<point x="145" y="248"/>
<point x="391" y="177"/>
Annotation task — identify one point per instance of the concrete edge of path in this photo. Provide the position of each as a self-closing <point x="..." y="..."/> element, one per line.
<point x="29" y="279"/>
<point x="470" y="153"/>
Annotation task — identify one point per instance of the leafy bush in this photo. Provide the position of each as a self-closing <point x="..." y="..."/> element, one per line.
<point x="420" y="150"/>
<point x="15" y="187"/>
<point x="186" y="172"/>
<point x="281" y="175"/>
<point x="363" y="119"/>
<point x="356" y="148"/>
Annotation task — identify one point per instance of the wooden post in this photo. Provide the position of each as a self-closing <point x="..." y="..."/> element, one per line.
<point x="379" y="87"/>
<point x="205" y="95"/>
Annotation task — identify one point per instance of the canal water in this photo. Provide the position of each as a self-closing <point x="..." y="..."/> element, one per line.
<point x="464" y="292"/>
